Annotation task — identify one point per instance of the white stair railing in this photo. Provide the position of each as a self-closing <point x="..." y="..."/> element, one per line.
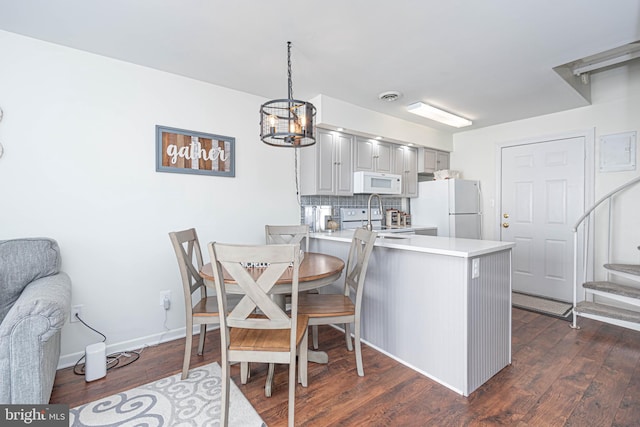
<point x="584" y="220"/>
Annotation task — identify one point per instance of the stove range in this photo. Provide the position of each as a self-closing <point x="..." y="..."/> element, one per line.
<point x="352" y="218"/>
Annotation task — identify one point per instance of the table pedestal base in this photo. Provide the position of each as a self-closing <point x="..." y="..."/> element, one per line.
<point x="313" y="356"/>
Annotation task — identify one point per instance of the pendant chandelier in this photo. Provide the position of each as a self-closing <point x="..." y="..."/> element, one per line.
<point x="288" y="122"/>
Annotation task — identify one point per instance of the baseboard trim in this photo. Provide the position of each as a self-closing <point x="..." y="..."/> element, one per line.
<point x="69" y="360"/>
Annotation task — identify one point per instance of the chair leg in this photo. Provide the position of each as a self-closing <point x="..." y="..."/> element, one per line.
<point x="359" y="365"/>
<point x="303" y="360"/>
<point x="187" y="350"/>
<point x="224" y="399"/>
<point x="347" y="336"/>
<point x="244" y="372"/>
<point x="292" y="389"/>
<point x="314" y="330"/>
<point x="203" y="334"/>
<point x="270" y="374"/>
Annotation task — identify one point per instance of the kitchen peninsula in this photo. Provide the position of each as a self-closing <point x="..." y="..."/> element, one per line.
<point x="437" y="304"/>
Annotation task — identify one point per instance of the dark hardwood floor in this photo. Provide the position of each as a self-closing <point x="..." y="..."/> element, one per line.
<point x="559" y="377"/>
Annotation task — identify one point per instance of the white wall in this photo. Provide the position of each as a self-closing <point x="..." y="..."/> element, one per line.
<point x="334" y="113"/>
<point x="615" y="108"/>
<point x="79" y="166"/>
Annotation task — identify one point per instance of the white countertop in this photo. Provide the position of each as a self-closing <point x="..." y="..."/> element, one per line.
<point x="451" y="246"/>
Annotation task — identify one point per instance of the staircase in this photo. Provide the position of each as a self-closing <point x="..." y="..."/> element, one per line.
<point x="613" y="291"/>
<point x="610" y="289"/>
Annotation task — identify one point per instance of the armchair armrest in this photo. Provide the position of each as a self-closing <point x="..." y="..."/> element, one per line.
<point x="30" y="340"/>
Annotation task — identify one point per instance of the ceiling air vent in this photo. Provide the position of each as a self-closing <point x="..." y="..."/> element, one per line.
<point x="389" y="96"/>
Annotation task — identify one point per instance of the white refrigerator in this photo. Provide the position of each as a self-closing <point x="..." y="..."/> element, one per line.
<point x="452" y="205"/>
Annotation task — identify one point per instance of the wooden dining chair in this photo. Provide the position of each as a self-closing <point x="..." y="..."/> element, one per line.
<point x="270" y="337"/>
<point x="201" y="308"/>
<point x="279" y="234"/>
<point x="288" y="234"/>
<point x="327" y="309"/>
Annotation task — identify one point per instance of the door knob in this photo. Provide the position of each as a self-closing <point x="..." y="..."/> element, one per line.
<point x="505" y="215"/>
<point x="505" y="224"/>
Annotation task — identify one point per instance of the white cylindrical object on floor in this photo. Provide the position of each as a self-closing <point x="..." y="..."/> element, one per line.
<point x="95" y="362"/>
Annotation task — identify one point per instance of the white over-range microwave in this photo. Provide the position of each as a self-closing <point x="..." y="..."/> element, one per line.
<point x="376" y="182"/>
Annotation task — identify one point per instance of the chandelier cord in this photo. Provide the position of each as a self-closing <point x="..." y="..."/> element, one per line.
<point x="295" y="162"/>
<point x="290" y="90"/>
<point x="289" y="70"/>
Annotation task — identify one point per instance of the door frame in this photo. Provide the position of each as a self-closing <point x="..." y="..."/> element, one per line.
<point x="589" y="188"/>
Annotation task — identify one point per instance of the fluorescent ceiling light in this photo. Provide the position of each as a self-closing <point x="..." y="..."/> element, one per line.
<point x="605" y="59"/>
<point x="438" y="115"/>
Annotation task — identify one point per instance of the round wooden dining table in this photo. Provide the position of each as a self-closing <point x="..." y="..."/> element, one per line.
<point x="316" y="270"/>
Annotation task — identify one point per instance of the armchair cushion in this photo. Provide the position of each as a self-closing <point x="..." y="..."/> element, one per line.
<point x="21" y="262"/>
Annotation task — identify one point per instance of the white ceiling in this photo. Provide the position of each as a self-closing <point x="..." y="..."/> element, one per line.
<point x="490" y="61"/>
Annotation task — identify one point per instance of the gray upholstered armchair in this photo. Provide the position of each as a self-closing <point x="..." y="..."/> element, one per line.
<point x="35" y="298"/>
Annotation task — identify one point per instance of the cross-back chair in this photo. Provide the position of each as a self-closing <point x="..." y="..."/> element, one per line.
<point x="279" y="234"/>
<point x="287" y="234"/>
<point x="270" y="337"/>
<point x="200" y="309"/>
<point x="327" y="309"/>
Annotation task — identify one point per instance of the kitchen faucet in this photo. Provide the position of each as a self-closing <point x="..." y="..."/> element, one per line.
<point x="369" y="226"/>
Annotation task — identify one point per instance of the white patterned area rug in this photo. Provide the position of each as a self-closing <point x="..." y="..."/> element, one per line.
<point x="170" y="402"/>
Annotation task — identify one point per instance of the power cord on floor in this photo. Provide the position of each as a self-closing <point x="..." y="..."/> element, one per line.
<point x="113" y="359"/>
<point x="164" y="324"/>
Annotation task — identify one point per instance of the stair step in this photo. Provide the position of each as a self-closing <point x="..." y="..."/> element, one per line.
<point x="613" y="288"/>
<point x="633" y="269"/>
<point x="604" y="310"/>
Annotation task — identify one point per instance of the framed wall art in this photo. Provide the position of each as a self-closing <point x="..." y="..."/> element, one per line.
<point x="185" y="151"/>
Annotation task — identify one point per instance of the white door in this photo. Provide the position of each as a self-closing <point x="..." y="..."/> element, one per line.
<point x="542" y="194"/>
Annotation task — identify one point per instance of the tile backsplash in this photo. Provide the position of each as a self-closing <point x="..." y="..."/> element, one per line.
<point x="355" y="201"/>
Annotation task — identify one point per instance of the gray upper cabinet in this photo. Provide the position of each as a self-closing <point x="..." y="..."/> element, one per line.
<point x="442" y="160"/>
<point x="405" y="163"/>
<point x="431" y="160"/>
<point x="371" y="155"/>
<point x="326" y="167"/>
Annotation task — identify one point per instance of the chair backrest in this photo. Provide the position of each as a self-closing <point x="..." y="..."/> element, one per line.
<point x="358" y="262"/>
<point x="256" y="283"/>
<point x="287" y="234"/>
<point x="187" y="248"/>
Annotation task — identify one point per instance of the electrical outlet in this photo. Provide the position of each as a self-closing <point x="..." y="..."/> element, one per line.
<point x="76" y="309"/>
<point x="164" y="294"/>
<point x="475" y="268"/>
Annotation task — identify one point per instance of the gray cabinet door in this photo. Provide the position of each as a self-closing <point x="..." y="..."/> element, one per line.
<point x="364" y="156"/>
<point x="429" y="161"/>
<point x="383" y="156"/>
<point x="398" y="160"/>
<point x="410" y="178"/>
<point x="405" y="164"/>
<point x="344" y="165"/>
<point x="325" y="150"/>
<point x="372" y="156"/>
<point x="442" y="160"/>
